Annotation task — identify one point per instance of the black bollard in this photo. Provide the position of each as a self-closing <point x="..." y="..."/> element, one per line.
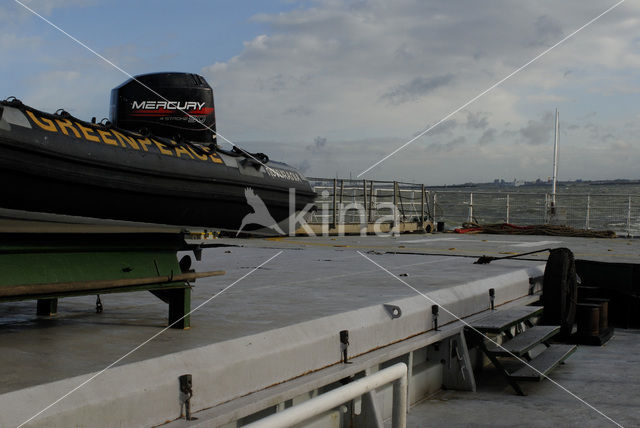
<point x="434" y="316"/>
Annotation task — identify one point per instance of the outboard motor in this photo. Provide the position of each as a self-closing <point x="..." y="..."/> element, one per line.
<point x="135" y="106"/>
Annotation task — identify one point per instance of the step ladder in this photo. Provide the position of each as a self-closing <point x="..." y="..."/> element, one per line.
<point x="520" y="339"/>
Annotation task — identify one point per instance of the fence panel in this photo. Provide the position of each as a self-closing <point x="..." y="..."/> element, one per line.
<point x="355" y="199"/>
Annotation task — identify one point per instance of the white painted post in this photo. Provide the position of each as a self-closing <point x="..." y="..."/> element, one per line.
<point x="335" y="214"/>
<point x="435" y="210"/>
<point x="400" y="402"/>
<point x="364" y="198"/>
<point x="555" y="164"/>
<point x="629" y="218"/>
<point x="370" y="199"/>
<point x="588" y="211"/>
<point x="422" y="202"/>
<point x="340" y="203"/>
<point x="508" y="208"/>
<point x="546" y="208"/>
<point x="470" y="207"/>
<point x="395" y="207"/>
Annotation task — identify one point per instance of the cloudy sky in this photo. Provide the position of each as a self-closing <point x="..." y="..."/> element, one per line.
<point x="333" y="86"/>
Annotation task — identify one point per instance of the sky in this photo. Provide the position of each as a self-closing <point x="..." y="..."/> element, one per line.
<point x="331" y="87"/>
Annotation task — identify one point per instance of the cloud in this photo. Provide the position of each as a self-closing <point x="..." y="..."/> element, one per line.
<point x="547" y="31"/>
<point x="447" y="147"/>
<point x="487" y="137"/>
<point x="538" y="132"/>
<point x="10" y="41"/>
<point x="318" y="145"/>
<point x="299" y="110"/>
<point x="18" y="14"/>
<point x="477" y="120"/>
<point x="416" y="89"/>
<point x="304" y="166"/>
<point x="623" y="146"/>
<point x="368" y="75"/>
<point x="447" y="127"/>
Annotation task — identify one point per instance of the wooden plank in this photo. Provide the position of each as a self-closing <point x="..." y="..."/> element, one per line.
<point x="525" y="341"/>
<point x="91" y="286"/>
<point x="500" y="320"/>
<point x="544" y="363"/>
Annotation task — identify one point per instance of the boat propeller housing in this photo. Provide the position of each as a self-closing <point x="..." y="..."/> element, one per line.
<point x="170" y="105"/>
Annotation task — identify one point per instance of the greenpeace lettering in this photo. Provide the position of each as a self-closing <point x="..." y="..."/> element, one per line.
<point x="167" y="105"/>
<point x="112" y="137"/>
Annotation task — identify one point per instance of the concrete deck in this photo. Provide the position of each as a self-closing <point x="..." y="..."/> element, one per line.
<point x="314" y="278"/>
<point x="299" y="285"/>
<point x="464" y="245"/>
<point x="606" y="377"/>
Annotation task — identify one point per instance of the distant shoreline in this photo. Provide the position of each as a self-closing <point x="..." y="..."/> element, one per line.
<point x="538" y="183"/>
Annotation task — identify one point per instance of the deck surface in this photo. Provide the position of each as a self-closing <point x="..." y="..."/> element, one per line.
<point x="303" y="283"/>
<point x="605" y="377"/>
<point x="312" y="278"/>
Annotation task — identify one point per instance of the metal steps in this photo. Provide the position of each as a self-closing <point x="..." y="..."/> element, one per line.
<point x="541" y="365"/>
<point x="520" y="336"/>
<point x="524" y="342"/>
<point x="501" y="320"/>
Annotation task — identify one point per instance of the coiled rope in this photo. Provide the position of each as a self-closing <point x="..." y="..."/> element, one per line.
<point x="537" y="229"/>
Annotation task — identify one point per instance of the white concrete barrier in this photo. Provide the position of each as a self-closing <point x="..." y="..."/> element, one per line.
<point x="146" y="393"/>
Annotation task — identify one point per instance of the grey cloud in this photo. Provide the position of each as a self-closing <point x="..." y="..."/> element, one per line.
<point x="304" y="166"/>
<point x="599" y="133"/>
<point x="301" y="110"/>
<point x="318" y="145"/>
<point x="538" y="131"/>
<point x="415" y="89"/>
<point x="487" y="137"/>
<point x="447" y="147"/>
<point x="445" y="127"/>
<point x="477" y="120"/>
<point x="546" y="31"/>
<point x="280" y="82"/>
<point x="621" y="146"/>
<point x="376" y="66"/>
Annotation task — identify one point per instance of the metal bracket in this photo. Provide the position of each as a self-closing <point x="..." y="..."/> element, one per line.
<point x="434" y="316"/>
<point x="393" y="310"/>
<point x="457" y="373"/>
<point x="99" y="307"/>
<point x="344" y="344"/>
<point x="186" y="392"/>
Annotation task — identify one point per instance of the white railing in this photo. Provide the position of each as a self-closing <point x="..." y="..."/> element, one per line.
<point x="338" y="199"/>
<point x="599" y="211"/>
<point x="346" y="201"/>
<point x="332" y="399"/>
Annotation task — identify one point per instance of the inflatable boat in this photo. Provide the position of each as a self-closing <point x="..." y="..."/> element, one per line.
<point x="155" y="162"/>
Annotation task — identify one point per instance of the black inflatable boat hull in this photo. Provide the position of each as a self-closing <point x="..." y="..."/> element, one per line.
<point x="63" y="166"/>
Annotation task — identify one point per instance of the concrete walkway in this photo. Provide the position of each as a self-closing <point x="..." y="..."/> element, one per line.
<point x="607" y="377"/>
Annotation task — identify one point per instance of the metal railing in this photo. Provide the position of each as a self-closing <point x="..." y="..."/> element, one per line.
<point x="396" y="374"/>
<point x="617" y="212"/>
<point x="342" y="201"/>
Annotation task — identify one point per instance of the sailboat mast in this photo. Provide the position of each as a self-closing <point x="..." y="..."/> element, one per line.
<point x="555" y="164"/>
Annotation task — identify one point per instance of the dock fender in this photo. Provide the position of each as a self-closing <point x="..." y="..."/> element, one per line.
<point x="560" y="290"/>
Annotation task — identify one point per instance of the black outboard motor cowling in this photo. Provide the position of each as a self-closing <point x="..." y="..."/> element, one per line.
<point x="137" y="108"/>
